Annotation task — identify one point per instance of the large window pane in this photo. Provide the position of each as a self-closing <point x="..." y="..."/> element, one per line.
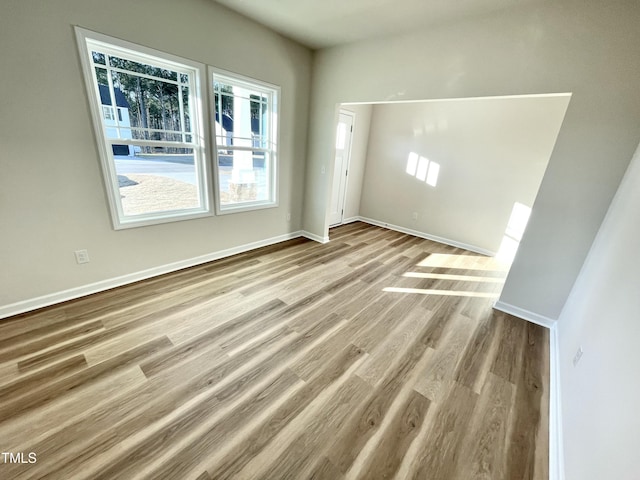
<point x="242" y="185"/>
<point x="154" y="154"/>
<point x="246" y="141"/>
<point x="154" y="108"/>
<point x="158" y="181"/>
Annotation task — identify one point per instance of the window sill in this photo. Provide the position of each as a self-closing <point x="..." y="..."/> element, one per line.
<point x="244" y="207"/>
<point x="157" y="220"/>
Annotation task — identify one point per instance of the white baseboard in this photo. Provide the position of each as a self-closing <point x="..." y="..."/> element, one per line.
<point x="77" y="292"/>
<point x="556" y="452"/>
<point x="524" y="314"/>
<point x="350" y="220"/>
<point x="435" y="238"/>
<point x="314" y="237"/>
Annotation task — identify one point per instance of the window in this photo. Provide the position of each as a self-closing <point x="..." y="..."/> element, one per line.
<point x="245" y="122"/>
<point x="108" y="112"/>
<point x="153" y="151"/>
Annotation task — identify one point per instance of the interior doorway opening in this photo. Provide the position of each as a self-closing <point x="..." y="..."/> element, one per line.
<point x="342" y="156"/>
<point x="450" y="170"/>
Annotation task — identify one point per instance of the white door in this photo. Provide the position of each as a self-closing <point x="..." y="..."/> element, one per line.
<point x="341" y="167"/>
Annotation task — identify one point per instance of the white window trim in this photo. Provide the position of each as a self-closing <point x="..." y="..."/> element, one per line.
<point x="275" y="134"/>
<point x="200" y="127"/>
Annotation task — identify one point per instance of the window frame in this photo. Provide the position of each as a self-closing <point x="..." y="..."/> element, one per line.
<point x="202" y="147"/>
<point x="274" y="94"/>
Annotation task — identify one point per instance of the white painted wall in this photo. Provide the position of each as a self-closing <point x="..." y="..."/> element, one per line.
<point x="52" y="199"/>
<point x="586" y="48"/>
<point x="600" y="396"/>
<point x="492" y="153"/>
<point x="359" y="143"/>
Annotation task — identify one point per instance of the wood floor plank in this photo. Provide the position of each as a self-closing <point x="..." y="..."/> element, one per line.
<point x="479" y="353"/>
<point x="199" y="322"/>
<point x="61" y="415"/>
<point x="404" y="306"/>
<point x="67" y="347"/>
<point x="344" y="303"/>
<point x="397" y="439"/>
<point x="50" y="373"/>
<point x="262" y="434"/>
<point x="508" y="359"/>
<point x="144" y="451"/>
<point x="310" y="261"/>
<point x="302" y="444"/>
<point x="277" y="319"/>
<point x="439" y="454"/>
<point x="8" y="372"/>
<point x="121" y="405"/>
<point x="25" y="326"/>
<point x="438" y="378"/>
<point x="325" y="470"/>
<point x="527" y="407"/>
<point x="41" y="394"/>
<point x="486" y="444"/>
<point x="383" y="356"/>
<point x="153" y="411"/>
<point x="50" y="333"/>
<point x="366" y="419"/>
<point x="444" y="310"/>
<point x="322" y="278"/>
<point x="362" y="358"/>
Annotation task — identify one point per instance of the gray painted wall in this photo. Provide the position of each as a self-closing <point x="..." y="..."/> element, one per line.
<point x="588" y="49"/>
<point x="492" y="153"/>
<point x="600" y="395"/>
<point x="52" y="199"/>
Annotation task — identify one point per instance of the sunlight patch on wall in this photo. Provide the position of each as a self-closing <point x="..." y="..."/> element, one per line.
<point x="412" y="164"/>
<point x="423" y="169"/>
<point x="513" y="233"/>
<point x="432" y="175"/>
<point x="423" y="165"/>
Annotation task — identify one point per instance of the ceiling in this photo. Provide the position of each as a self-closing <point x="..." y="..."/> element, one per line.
<point x="326" y="23"/>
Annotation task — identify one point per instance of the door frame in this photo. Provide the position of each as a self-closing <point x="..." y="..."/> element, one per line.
<point x="347" y="167"/>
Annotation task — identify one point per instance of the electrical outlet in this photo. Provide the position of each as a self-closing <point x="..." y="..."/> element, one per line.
<point x="288" y="217"/>
<point x="322" y="170"/>
<point x="577" y="356"/>
<point x="82" y="256"/>
<point x="414" y="216"/>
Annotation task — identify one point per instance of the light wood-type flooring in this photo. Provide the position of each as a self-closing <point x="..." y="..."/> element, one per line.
<point x="375" y="356"/>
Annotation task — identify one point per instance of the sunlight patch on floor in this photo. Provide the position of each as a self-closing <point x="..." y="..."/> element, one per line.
<point x="469" y="262"/>
<point x="451" y="293"/>
<point x="444" y="276"/>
